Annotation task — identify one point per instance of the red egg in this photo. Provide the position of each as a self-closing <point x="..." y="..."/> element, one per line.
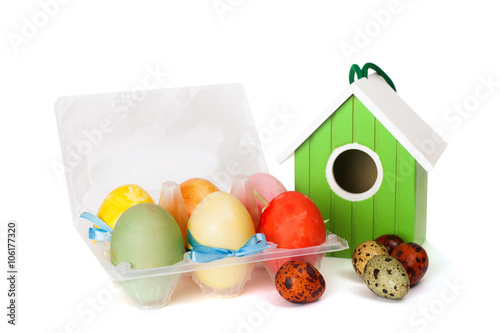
<point x="299" y="282"/>
<point x="292" y="220"/>
<point x="390" y="241"/>
<point x="414" y="259"/>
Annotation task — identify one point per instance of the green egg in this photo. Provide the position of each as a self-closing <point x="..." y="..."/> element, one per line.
<point x="147" y="236"/>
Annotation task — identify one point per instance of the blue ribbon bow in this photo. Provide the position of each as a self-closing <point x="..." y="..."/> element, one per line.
<point x="103" y="231"/>
<point x="203" y="253"/>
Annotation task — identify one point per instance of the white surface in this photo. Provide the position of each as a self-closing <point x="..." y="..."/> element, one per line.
<point x="409" y="129"/>
<point x="442" y="57"/>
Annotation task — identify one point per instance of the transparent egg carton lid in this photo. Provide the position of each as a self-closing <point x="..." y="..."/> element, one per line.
<point x="152" y="136"/>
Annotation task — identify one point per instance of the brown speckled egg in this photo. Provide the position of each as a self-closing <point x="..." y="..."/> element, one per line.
<point x="364" y="252"/>
<point x="299" y="282"/>
<point x="414" y="259"/>
<point x="386" y="277"/>
<point x="390" y="241"/>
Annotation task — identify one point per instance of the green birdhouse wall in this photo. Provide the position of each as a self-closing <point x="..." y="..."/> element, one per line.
<point x="362" y="163"/>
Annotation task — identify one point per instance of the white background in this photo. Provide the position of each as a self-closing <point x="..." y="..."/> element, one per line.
<point x="289" y="56"/>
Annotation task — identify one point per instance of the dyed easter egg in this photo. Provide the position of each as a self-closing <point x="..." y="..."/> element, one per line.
<point x="194" y="190"/>
<point x="292" y="220"/>
<point x="221" y="220"/>
<point x="267" y="187"/>
<point x="119" y="200"/>
<point x="147" y="236"/>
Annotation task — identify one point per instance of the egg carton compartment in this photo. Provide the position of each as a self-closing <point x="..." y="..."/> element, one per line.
<point x="223" y="282"/>
<point x="123" y="271"/>
<point x="150" y="293"/>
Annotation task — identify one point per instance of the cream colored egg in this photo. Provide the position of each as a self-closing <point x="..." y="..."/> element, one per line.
<point x="220" y="220"/>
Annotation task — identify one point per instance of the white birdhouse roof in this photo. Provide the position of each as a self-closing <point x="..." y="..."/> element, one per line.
<point x="409" y="129"/>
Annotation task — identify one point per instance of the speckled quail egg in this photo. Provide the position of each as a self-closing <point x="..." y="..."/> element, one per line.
<point x="364" y="252"/>
<point x="390" y="241"/>
<point x="386" y="277"/>
<point x="299" y="282"/>
<point x="414" y="259"/>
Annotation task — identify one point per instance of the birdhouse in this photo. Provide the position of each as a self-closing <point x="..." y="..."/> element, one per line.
<point x="364" y="162"/>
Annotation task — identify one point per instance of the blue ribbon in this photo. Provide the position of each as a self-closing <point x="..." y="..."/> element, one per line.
<point x="103" y="231"/>
<point x="202" y="253"/>
<point x="99" y="235"/>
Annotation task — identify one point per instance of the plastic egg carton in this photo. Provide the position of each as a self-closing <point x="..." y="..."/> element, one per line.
<point x="222" y="278"/>
<point x="148" y="137"/>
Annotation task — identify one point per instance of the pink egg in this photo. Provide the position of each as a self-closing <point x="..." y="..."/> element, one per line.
<point x="267" y="186"/>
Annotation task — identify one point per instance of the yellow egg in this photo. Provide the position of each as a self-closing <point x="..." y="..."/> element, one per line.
<point x="221" y="220"/>
<point x="119" y="200"/>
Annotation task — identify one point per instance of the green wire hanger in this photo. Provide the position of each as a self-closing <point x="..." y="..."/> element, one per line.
<point x="363" y="72"/>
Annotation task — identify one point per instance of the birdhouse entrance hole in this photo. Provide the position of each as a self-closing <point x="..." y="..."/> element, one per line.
<point x="354" y="172"/>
